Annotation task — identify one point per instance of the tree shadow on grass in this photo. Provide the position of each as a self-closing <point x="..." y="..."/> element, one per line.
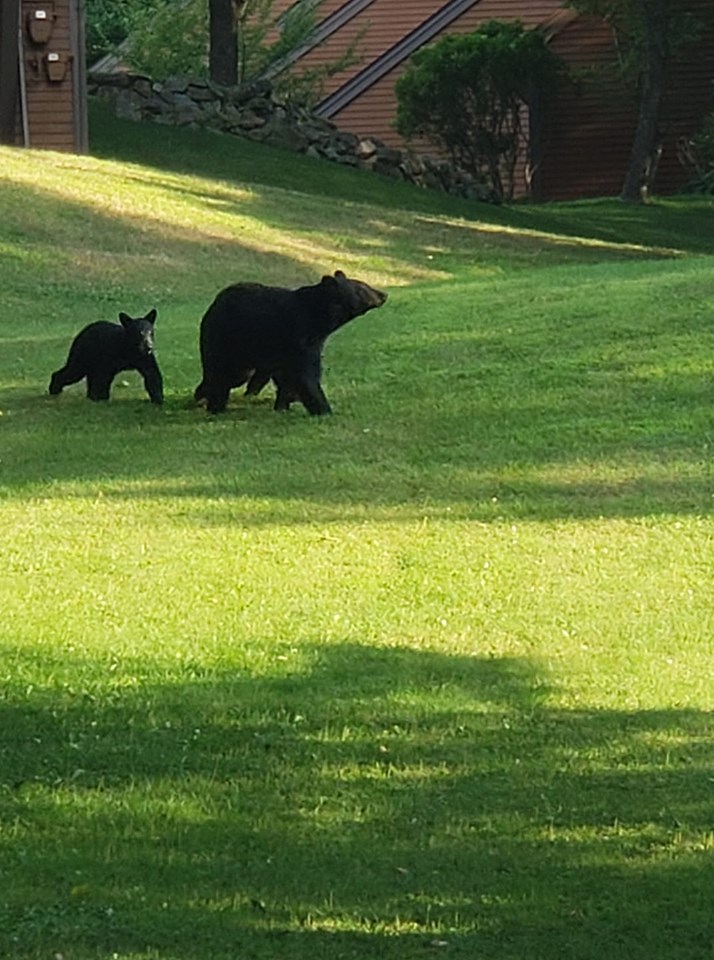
<point x="233" y="159"/>
<point x="75" y="245"/>
<point x="349" y="802"/>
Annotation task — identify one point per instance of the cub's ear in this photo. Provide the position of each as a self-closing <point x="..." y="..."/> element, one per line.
<point x="151" y="316"/>
<point x="340" y="275"/>
<point x="125" y="320"/>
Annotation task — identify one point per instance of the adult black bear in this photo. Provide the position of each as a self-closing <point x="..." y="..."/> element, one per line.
<point x="102" y="349"/>
<point x="253" y="332"/>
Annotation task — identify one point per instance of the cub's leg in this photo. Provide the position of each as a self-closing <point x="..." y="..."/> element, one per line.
<point x="99" y="384"/>
<point x="153" y="380"/>
<point x="70" y="373"/>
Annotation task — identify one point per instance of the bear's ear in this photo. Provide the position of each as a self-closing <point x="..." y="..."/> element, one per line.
<point x="125" y="320"/>
<point x="151" y="316"/>
<point x="339" y="275"/>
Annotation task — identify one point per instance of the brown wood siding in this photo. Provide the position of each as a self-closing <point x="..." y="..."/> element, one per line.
<point x="588" y="137"/>
<point x="52" y="105"/>
<point x="587" y="131"/>
<point x="381" y="25"/>
<point x="384" y="23"/>
<point x="322" y="12"/>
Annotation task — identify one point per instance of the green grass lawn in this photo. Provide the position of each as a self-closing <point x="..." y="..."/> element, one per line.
<point x="433" y="676"/>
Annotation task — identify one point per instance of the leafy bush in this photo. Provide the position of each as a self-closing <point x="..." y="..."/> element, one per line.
<point x="467" y="93"/>
<point x="702" y="158"/>
<point x="109" y="23"/>
<point x="171" y="40"/>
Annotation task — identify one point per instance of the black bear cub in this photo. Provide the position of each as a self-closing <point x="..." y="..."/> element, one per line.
<point x="256" y="333"/>
<point x="102" y="349"/>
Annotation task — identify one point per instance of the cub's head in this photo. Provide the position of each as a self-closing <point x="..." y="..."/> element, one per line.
<point x="140" y="332"/>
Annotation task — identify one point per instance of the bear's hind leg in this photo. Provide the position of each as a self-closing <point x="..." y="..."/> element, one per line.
<point x="63" y="377"/>
<point x="259" y="378"/>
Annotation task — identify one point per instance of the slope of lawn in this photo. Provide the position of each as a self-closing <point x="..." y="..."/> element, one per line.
<point x="432" y="676"/>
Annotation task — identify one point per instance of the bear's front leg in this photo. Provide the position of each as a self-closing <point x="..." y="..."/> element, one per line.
<point x="314" y="399"/>
<point x="302" y="376"/>
<point x="308" y="389"/>
<point x="98" y="385"/>
<point x="217" y="396"/>
<point x="153" y="381"/>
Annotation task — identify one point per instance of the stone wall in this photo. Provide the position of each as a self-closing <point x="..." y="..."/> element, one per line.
<point x="253" y="112"/>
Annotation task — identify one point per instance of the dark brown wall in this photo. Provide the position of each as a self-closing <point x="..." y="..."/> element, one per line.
<point x="587" y="132"/>
<point x="587" y="137"/>
<point x="689" y="98"/>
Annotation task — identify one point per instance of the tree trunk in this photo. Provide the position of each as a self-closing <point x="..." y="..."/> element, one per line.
<point x="223" y="42"/>
<point x="645" y="147"/>
<point x="9" y="17"/>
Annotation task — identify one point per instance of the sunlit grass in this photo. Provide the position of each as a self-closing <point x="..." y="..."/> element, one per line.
<point x="430" y="676"/>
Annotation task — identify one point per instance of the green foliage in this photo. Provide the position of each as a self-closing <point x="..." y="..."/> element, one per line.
<point x="467" y="93"/>
<point x="701" y="157"/>
<point x="109" y="23"/>
<point x="257" y="51"/>
<point x="674" y="24"/>
<point x="171" y="40"/>
<point x="166" y="38"/>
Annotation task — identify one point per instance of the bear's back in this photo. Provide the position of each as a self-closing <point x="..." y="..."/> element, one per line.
<point x="253" y="313"/>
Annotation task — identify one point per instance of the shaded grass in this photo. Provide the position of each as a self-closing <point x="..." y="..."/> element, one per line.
<point x="349" y="801"/>
<point x="430" y="676"/>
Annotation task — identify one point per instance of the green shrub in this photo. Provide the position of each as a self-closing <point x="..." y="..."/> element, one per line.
<point x="467" y="94"/>
<point x="170" y="41"/>
<point x="701" y="155"/>
<point x="109" y="23"/>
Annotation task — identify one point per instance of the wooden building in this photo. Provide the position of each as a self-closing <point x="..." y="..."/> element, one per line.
<point x="584" y="142"/>
<point x="42" y="74"/>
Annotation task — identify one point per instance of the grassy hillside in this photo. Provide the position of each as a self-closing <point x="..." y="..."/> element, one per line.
<point x="429" y="676"/>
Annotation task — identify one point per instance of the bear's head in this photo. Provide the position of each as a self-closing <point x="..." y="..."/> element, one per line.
<point x="139" y="332"/>
<point x="348" y="298"/>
